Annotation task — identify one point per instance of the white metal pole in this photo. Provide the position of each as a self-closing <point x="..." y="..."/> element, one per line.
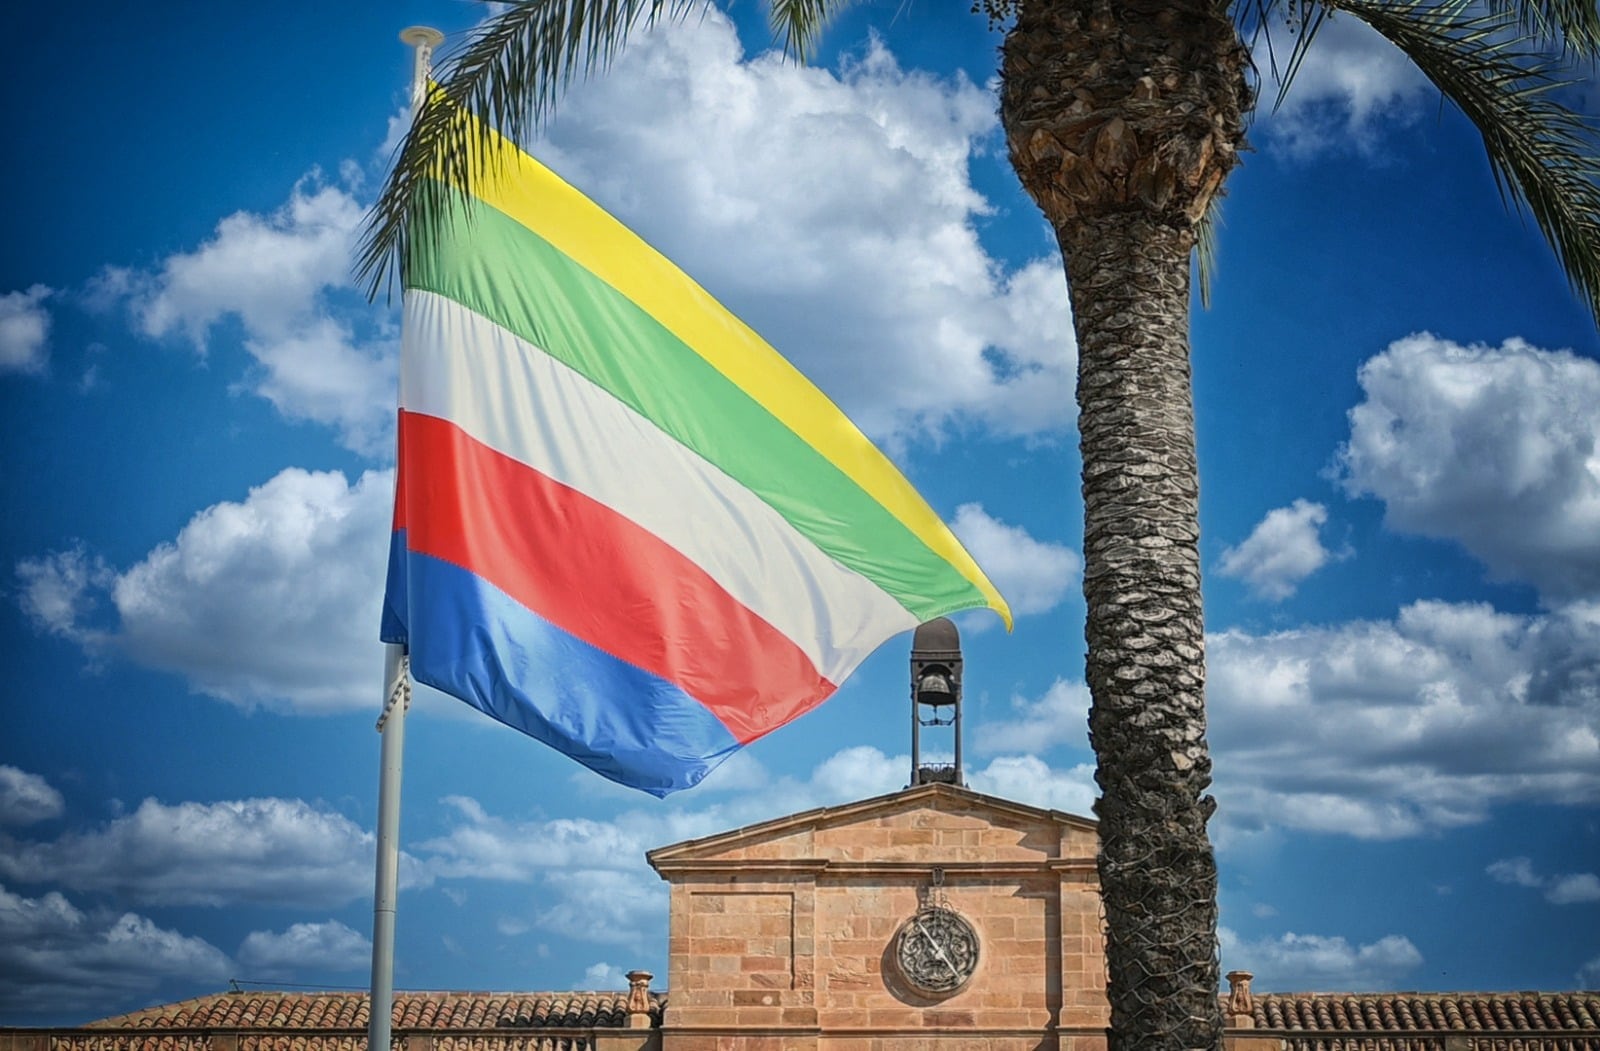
<point x="392" y="725"/>
<point x="397" y="697"/>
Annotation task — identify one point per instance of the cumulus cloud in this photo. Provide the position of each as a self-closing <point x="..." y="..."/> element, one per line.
<point x="1033" y="575"/>
<point x="1351" y="87"/>
<point x="266" y="270"/>
<point x="59" y="593"/>
<point x="834" y="212"/>
<point x="1387" y="729"/>
<point x="1379" y="729"/>
<point x="24" y="330"/>
<point x="1496" y="448"/>
<point x="26" y="799"/>
<point x="606" y="906"/>
<point x="481" y="846"/>
<point x="1312" y="962"/>
<point x="261" y="851"/>
<point x="1588" y="976"/>
<point x="1516" y="871"/>
<point x="271" y="601"/>
<point x="1029" y="779"/>
<point x="1575" y="888"/>
<point x="511" y="926"/>
<point x="280" y="276"/>
<point x="1284" y="548"/>
<point x="305" y="947"/>
<point x="55" y="957"/>
<point x="1060" y="717"/>
<point x="599" y="977"/>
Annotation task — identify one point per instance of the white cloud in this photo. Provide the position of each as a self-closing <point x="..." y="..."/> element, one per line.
<point x="264" y="851"/>
<point x="318" y="373"/>
<point x="605" y="906"/>
<point x="272" y="601"/>
<point x="305" y="947"/>
<point x="1516" y="871"/>
<point x="1389" y="729"/>
<point x="279" y="275"/>
<point x="836" y="214"/>
<point x="1028" y="779"/>
<point x="834" y="211"/>
<point x="860" y="772"/>
<point x="1588" y="976"/>
<point x="481" y="846"/>
<point x="266" y="270"/>
<point x="1060" y="717"/>
<point x="61" y="591"/>
<point x="1284" y="548"/>
<point x="1497" y="448"/>
<point x="1033" y="575"/>
<point x="1576" y="888"/>
<point x="57" y="958"/>
<point x="1382" y="729"/>
<point x="24" y="330"/>
<point x="1352" y="86"/>
<point x="600" y="977"/>
<point x="1311" y="962"/>
<point x="26" y="799"/>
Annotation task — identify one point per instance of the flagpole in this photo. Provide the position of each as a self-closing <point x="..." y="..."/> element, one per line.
<point x="392" y="723"/>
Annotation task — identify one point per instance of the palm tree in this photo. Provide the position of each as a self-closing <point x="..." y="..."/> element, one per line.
<point x="1124" y="118"/>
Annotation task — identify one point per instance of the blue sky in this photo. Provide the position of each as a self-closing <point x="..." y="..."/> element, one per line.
<point x="1400" y="461"/>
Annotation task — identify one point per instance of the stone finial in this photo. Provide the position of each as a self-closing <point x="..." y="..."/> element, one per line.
<point x="1241" y="1006"/>
<point x="639" y="999"/>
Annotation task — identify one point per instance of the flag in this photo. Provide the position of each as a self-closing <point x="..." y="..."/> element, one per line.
<point x="624" y="524"/>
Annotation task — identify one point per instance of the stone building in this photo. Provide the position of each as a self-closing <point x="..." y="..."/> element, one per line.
<point x="934" y="913"/>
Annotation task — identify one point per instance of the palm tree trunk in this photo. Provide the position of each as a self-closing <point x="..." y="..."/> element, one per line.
<point x="1124" y="118"/>
<point x="1146" y="657"/>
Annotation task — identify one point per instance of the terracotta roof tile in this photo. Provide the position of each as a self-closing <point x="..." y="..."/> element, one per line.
<point x="412" y="1010"/>
<point x="1428" y="1012"/>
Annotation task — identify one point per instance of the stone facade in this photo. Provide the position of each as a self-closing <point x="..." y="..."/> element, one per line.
<point x="782" y="935"/>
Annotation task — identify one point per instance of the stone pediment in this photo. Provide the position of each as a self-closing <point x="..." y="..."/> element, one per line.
<point x="928" y="825"/>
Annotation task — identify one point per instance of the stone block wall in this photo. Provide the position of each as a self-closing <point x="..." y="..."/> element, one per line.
<point x="783" y="935"/>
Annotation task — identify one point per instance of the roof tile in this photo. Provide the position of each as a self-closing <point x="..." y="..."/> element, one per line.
<point x="412" y="1010"/>
<point x="1427" y="1012"/>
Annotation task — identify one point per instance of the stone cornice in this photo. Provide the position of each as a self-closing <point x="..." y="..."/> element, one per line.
<point x="823" y="868"/>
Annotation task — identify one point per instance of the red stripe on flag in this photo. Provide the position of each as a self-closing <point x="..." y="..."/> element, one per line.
<point x="598" y="576"/>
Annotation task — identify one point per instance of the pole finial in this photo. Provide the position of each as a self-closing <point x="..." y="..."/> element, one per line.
<point x="419" y="36"/>
<point x="422" y="40"/>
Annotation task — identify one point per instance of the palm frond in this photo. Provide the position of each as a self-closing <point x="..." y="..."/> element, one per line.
<point x="1573" y="24"/>
<point x="509" y="73"/>
<point x="800" y="22"/>
<point x="1544" y="156"/>
<point x="1261" y="22"/>
<point x="1205" y="247"/>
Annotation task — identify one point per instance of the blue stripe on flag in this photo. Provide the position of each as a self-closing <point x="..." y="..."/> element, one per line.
<point x="471" y="640"/>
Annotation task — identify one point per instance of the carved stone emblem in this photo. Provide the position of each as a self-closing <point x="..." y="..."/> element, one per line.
<point x="936" y="950"/>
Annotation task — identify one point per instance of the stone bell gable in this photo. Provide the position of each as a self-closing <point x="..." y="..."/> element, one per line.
<point x="789" y="933"/>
